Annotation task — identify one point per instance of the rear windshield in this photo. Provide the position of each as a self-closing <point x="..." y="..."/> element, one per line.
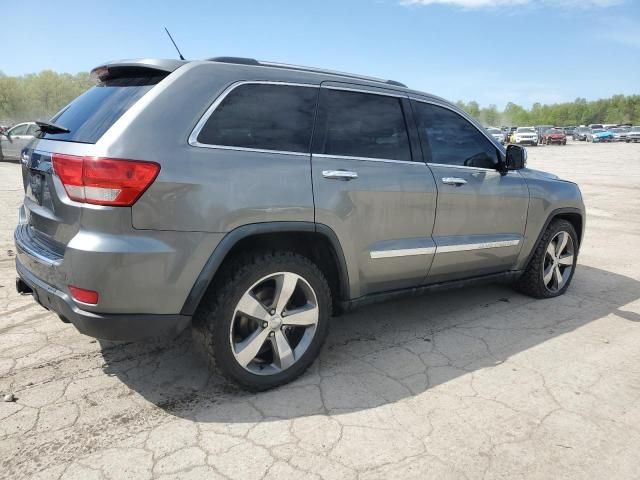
<point x="90" y="115"/>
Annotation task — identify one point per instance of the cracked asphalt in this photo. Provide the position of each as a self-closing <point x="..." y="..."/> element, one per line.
<point x="474" y="383"/>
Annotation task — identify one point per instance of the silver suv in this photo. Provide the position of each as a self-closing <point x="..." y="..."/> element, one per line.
<point x="255" y="200"/>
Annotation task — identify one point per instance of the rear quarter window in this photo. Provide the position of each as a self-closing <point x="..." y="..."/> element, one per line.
<point x="263" y="117"/>
<point x="90" y="115"/>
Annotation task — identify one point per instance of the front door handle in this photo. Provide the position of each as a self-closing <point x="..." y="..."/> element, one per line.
<point x="339" y="174"/>
<point x="454" y="181"/>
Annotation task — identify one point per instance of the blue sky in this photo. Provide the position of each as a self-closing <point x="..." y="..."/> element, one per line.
<point x="491" y="51"/>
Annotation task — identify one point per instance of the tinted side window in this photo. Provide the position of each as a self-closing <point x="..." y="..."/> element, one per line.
<point x="268" y="117"/>
<point x="452" y="139"/>
<point x="362" y="125"/>
<point x="32" y="130"/>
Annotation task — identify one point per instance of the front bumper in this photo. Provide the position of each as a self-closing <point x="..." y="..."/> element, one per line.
<point x="527" y="141"/>
<point x="104" y="326"/>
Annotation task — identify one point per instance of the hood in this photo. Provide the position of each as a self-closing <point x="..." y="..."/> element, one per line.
<point x="538" y="174"/>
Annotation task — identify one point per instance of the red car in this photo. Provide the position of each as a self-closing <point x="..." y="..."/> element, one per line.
<point x="554" y="135"/>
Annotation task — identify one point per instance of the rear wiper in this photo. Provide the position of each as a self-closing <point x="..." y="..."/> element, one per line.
<point x="48" y="127"/>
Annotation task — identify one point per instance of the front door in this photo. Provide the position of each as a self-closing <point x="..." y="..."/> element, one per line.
<point x="481" y="213"/>
<point x="372" y="188"/>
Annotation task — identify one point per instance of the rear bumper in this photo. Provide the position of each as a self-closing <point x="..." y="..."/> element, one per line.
<point x="104" y="326"/>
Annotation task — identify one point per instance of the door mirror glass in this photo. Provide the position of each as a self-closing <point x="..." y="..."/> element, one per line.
<point x="516" y="157"/>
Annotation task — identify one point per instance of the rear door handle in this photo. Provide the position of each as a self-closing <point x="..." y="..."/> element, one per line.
<point x="339" y="174"/>
<point x="454" y="181"/>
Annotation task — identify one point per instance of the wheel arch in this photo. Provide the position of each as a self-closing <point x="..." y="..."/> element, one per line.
<point x="575" y="216"/>
<point x="318" y="242"/>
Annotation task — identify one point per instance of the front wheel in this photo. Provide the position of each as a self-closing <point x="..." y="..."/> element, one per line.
<point x="268" y="320"/>
<point x="553" y="262"/>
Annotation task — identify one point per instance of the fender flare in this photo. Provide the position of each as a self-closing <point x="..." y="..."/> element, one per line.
<point x="550" y="217"/>
<point x="233" y="237"/>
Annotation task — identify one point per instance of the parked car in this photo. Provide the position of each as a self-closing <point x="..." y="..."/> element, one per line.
<point x="581" y="133"/>
<point x="554" y="135"/>
<point x="525" y="136"/>
<point x="16" y="138"/>
<point x="497" y="134"/>
<point x="600" y="135"/>
<point x="569" y="130"/>
<point x="633" y="135"/>
<point x="265" y="198"/>
<point x="595" y="125"/>
<point x="540" y="129"/>
<point x="619" y="134"/>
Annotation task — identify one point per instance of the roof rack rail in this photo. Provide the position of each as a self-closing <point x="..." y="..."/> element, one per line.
<point x="238" y="60"/>
<point x="253" y="61"/>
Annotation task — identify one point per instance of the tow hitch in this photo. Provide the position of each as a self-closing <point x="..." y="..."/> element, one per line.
<point x="22" y="287"/>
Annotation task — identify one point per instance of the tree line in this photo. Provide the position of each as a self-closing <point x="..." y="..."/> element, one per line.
<point x="616" y="109"/>
<point x="40" y="95"/>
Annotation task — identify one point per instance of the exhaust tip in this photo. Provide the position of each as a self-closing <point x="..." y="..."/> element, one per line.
<point x="22" y="288"/>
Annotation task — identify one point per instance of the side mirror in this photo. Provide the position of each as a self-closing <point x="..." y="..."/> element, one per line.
<point x="516" y="157"/>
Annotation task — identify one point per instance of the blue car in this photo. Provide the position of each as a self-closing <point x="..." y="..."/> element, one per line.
<point x="599" y="135"/>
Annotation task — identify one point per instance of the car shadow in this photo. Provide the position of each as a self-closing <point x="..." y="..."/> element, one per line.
<point x="378" y="354"/>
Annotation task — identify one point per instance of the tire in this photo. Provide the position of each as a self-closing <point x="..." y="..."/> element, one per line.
<point x="254" y="280"/>
<point x="532" y="282"/>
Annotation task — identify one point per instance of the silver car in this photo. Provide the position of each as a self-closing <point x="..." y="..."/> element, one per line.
<point x="497" y="134"/>
<point x="254" y="201"/>
<point x="16" y="138"/>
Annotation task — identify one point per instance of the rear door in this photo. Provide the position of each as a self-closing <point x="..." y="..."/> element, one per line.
<point x="371" y="186"/>
<point x="481" y="213"/>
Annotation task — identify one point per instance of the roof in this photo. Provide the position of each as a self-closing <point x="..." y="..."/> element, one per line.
<point x="169" y="65"/>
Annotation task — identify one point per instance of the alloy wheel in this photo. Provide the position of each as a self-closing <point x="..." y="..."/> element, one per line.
<point x="558" y="261"/>
<point x="274" y="323"/>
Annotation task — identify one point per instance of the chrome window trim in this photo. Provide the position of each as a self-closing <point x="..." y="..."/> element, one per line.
<point x="463" y="167"/>
<point x="464" y="247"/>
<point x="402" y="252"/>
<point x="493" y="141"/>
<point x="193" y="137"/>
<point x="368" y="159"/>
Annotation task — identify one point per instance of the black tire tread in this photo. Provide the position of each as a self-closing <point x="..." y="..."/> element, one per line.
<point x="530" y="281"/>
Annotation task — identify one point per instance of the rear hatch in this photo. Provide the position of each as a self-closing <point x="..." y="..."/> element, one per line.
<point x="50" y="219"/>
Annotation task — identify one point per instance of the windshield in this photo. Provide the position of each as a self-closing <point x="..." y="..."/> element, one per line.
<point x="555" y="130"/>
<point x="598" y="130"/>
<point x="635" y="129"/>
<point x="526" y="130"/>
<point x="90" y="115"/>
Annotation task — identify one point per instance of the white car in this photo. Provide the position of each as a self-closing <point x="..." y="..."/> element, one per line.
<point x="16" y="138"/>
<point x="526" y="135"/>
<point x="497" y="134"/>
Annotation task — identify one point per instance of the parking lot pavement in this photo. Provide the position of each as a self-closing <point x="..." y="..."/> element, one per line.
<point x="472" y="383"/>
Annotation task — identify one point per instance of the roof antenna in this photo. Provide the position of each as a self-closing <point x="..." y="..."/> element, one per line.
<point x="174" y="43"/>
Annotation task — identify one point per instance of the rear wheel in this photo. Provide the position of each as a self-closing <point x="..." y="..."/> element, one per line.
<point x="266" y="322"/>
<point x="553" y="263"/>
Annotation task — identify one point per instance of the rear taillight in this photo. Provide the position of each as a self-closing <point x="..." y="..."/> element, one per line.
<point x="84" y="295"/>
<point x="104" y="181"/>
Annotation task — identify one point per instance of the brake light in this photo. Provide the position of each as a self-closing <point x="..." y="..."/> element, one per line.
<point x="104" y="181"/>
<point x="84" y="296"/>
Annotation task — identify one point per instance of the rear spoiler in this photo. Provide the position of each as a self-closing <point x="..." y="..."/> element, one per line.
<point x="142" y="66"/>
